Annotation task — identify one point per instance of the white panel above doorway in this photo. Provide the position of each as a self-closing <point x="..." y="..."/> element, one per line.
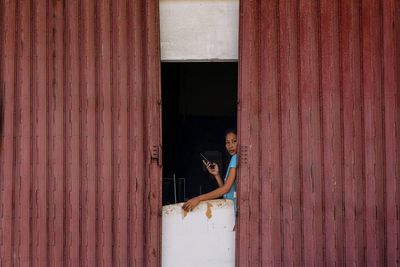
<point x="199" y="30"/>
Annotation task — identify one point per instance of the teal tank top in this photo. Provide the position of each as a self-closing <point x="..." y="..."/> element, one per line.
<point x="232" y="193"/>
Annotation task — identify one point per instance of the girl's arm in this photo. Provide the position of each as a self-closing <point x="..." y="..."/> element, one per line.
<point x="192" y="203"/>
<point x="219" y="180"/>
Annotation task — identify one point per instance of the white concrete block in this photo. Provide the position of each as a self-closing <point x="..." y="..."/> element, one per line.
<point x="203" y="237"/>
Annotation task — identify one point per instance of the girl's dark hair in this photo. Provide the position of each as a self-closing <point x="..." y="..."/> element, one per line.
<point x="230" y="130"/>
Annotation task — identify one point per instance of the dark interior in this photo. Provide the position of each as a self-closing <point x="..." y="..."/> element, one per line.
<point x="198" y="105"/>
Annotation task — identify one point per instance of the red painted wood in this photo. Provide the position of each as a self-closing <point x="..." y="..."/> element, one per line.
<point x="332" y="134"/>
<point x="271" y="161"/>
<point x="7" y="149"/>
<point x="391" y="121"/>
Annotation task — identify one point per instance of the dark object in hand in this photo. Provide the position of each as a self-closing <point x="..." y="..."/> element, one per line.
<point x="211" y="164"/>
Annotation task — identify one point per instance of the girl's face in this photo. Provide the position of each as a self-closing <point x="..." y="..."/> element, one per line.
<point x="231" y="143"/>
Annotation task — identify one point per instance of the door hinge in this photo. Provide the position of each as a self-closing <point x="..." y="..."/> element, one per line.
<point x="156" y="154"/>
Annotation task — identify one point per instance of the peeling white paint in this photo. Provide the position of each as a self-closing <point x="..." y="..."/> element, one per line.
<point x="203" y="237"/>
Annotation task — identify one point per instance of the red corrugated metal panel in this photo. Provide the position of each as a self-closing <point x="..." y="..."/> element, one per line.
<point x="350" y="74"/>
<point x="249" y="124"/>
<point x="80" y="83"/>
<point x="319" y="82"/>
<point x="331" y="132"/>
<point x="391" y="85"/>
<point x="271" y="166"/>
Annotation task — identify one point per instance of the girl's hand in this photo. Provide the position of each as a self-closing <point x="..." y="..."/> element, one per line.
<point x="214" y="170"/>
<point x="191" y="204"/>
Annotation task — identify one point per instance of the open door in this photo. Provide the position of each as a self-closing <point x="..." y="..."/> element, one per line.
<point x="318" y="133"/>
<point x="80" y="166"/>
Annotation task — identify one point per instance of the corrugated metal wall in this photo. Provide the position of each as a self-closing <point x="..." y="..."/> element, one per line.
<point x="319" y="117"/>
<point x="319" y="123"/>
<point x="80" y="81"/>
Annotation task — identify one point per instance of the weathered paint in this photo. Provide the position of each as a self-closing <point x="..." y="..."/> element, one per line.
<point x="80" y="83"/>
<point x="202" y="237"/>
<point x="319" y="109"/>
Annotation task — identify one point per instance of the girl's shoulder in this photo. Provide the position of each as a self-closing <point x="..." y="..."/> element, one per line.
<point x="233" y="162"/>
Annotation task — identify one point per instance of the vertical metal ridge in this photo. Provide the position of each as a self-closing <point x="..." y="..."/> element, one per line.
<point x="361" y="54"/>
<point x="15" y="172"/>
<point x="50" y="250"/>
<point x="41" y="130"/>
<point x="2" y="89"/>
<point x="391" y="116"/>
<point x="2" y="135"/>
<point x="56" y="136"/>
<point x="105" y="127"/>
<point x="24" y="144"/>
<point x="97" y="131"/>
<point x="331" y="138"/>
<point x="383" y="112"/>
<point x="321" y="123"/>
<point x="279" y="84"/>
<point x="82" y="134"/>
<point x="372" y="130"/>
<point x="300" y="130"/>
<point x="82" y="251"/>
<point x="146" y="116"/>
<point x="63" y="67"/>
<point x="113" y="153"/>
<point x="143" y="62"/>
<point x="271" y="221"/>
<point x="310" y="129"/>
<point x="397" y="123"/>
<point x="32" y="80"/>
<point x="153" y="181"/>
<point x="7" y="143"/>
<point x="249" y="107"/>
<point x="129" y="133"/>
<point x="238" y="249"/>
<point x="342" y="132"/>
<point x="258" y="255"/>
<point x="88" y="134"/>
<point x="66" y="141"/>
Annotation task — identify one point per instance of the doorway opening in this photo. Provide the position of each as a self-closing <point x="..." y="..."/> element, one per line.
<point x="199" y="102"/>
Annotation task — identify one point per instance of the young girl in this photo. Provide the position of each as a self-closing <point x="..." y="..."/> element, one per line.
<point x="227" y="189"/>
